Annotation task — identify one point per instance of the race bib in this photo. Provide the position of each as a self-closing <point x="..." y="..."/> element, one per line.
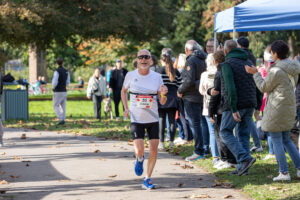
<point x="144" y="101"/>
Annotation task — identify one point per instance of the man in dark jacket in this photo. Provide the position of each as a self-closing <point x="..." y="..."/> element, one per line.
<point x="243" y="43"/>
<point x="240" y="100"/>
<point x="189" y="91"/>
<point x="116" y="83"/>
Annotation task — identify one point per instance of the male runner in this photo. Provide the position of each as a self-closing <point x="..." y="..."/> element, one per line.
<point x="145" y="87"/>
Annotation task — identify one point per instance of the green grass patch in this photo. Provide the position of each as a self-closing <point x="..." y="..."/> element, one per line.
<point x="79" y="120"/>
<point x="259" y="184"/>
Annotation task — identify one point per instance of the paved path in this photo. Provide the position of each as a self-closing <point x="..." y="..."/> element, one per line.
<point x="47" y="165"/>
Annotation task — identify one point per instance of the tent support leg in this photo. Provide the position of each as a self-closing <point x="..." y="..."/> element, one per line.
<point x="215" y="41"/>
<point x="234" y="34"/>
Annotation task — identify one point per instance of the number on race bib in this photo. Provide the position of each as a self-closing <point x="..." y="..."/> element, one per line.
<point x="144" y="101"/>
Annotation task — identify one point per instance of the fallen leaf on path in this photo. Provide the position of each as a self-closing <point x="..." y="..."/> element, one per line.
<point x="92" y="142"/>
<point x="175" y="163"/>
<point x="200" y="179"/>
<point x="227" y="196"/>
<point x="185" y="166"/>
<point x="197" y="196"/>
<point x="26" y="161"/>
<point x="180" y="185"/>
<point x="97" y="151"/>
<point x="11" y="176"/>
<point x="64" y="180"/>
<point x="1" y="173"/>
<point x="17" y="158"/>
<point x="59" y="142"/>
<point x="274" y="188"/>
<point x="2" y="191"/>
<point x="203" y="186"/>
<point x="23" y="136"/>
<point x="113" y="176"/>
<point x="101" y="159"/>
<point x="27" y="165"/>
<point x="216" y="185"/>
<point x="3" y="182"/>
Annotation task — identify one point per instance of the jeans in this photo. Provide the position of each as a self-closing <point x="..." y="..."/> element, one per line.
<point x="225" y="153"/>
<point x="187" y="132"/>
<point x="180" y="129"/>
<point x="270" y="144"/>
<point x="168" y="126"/>
<point x="254" y="134"/>
<point x="193" y="113"/>
<point x="212" y="138"/>
<point x="97" y="106"/>
<point x="162" y="123"/>
<point x="239" y="147"/>
<point x="281" y="141"/>
<point x="205" y="134"/>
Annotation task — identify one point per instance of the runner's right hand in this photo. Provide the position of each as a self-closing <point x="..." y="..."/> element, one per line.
<point x="125" y="113"/>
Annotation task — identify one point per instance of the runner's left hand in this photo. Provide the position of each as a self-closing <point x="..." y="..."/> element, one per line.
<point x="163" y="90"/>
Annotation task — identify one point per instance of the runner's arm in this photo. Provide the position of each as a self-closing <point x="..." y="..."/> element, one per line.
<point x="124" y="97"/>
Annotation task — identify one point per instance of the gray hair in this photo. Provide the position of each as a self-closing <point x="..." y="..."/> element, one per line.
<point x="229" y="45"/>
<point x="192" y="45"/>
<point x="145" y="51"/>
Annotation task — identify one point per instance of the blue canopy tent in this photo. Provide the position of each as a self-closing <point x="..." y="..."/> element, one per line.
<point x="259" y="15"/>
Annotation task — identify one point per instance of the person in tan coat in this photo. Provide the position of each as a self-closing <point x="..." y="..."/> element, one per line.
<point x="280" y="110"/>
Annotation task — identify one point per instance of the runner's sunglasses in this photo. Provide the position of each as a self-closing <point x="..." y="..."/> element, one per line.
<point x="144" y="56"/>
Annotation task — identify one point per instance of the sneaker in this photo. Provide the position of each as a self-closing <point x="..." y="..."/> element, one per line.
<point x="171" y="145"/>
<point x="215" y="160"/>
<point x="246" y="165"/>
<point x="138" y="168"/>
<point x="167" y="139"/>
<point x="62" y="122"/>
<point x="148" y="184"/>
<point x="194" y="157"/>
<point x="269" y="156"/>
<point x="235" y="172"/>
<point x="225" y="165"/>
<point x="178" y="140"/>
<point x="256" y="149"/>
<point x="218" y="164"/>
<point x="161" y="146"/>
<point x="282" y="177"/>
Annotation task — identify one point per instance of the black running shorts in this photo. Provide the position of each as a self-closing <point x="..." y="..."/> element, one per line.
<point x="138" y="130"/>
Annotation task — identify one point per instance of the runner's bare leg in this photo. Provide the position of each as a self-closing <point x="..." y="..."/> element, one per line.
<point x="139" y="147"/>
<point x="152" y="156"/>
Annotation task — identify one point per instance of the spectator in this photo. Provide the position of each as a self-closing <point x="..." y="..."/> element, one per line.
<point x="154" y="64"/>
<point x="97" y="91"/>
<point x="61" y="79"/>
<point x="279" y="85"/>
<point x="80" y="82"/>
<point x="116" y="83"/>
<point x="185" y="133"/>
<point x="243" y="43"/>
<point x="207" y="81"/>
<point x="210" y="46"/>
<point x="189" y="92"/>
<point x="215" y="109"/>
<point x="134" y="64"/>
<point x="240" y="100"/>
<point x="171" y="79"/>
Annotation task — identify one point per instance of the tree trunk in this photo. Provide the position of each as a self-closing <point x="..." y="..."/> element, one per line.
<point x="291" y="44"/>
<point x="37" y="63"/>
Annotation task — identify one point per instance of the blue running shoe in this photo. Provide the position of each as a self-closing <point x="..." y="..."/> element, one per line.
<point x="148" y="184"/>
<point x="138" y="168"/>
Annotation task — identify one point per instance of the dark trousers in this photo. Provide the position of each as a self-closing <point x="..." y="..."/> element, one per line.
<point x="193" y="113"/>
<point x="117" y="99"/>
<point x="225" y="153"/>
<point x="162" y="123"/>
<point x="187" y="132"/>
<point x="97" y="106"/>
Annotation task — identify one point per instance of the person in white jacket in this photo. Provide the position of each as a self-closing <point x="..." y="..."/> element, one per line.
<point x="206" y="82"/>
<point x="97" y="91"/>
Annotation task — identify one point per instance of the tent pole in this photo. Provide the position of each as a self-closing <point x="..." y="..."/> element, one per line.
<point x="234" y="34"/>
<point x="215" y="41"/>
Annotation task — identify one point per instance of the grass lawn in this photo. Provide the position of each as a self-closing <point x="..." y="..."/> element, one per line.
<point x="258" y="185"/>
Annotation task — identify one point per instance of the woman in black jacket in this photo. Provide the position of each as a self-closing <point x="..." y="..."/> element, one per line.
<point x="171" y="79"/>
